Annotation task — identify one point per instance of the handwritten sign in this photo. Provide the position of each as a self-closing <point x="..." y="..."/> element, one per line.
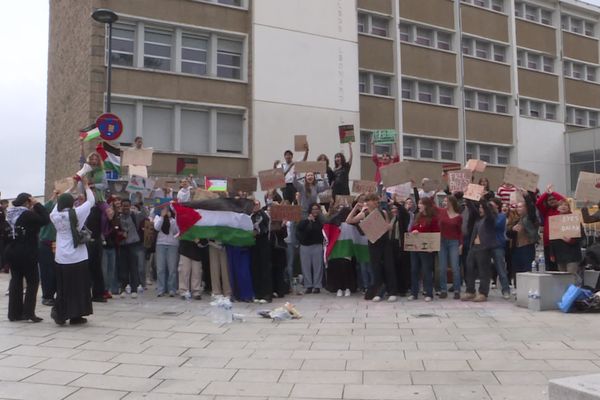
<point x="395" y="174"/>
<point x="374" y="226"/>
<point x="64" y="185"/>
<point x="325" y="197"/>
<point x="310" y="166"/>
<point x="476" y="165"/>
<point x="402" y="191"/>
<point x="140" y="184"/>
<point x="346" y="133"/>
<point x="271" y="179"/>
<point x="474" y="192"/>
<point x="364" y="187"/>
<point x="458" y="181"/>
<point x="384" y="136"/>
<point x="521" y="178"/>
<point x="118" y="188"/>
<point x="516" y="198"/>
<point x="138" y="170"/>
<point x="247" y="185"/>
<point x="137" y="157"/>
<point x="286" y="213"/>
<point x="300" y="142"/>
<point x="428" y="242"/>
<point x="588" y="187"/>
<point x="564" y="226"/>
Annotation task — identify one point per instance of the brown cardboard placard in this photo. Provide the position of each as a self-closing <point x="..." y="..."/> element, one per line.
<point x="588" y="187"/>
<point x="325" y="197"/>
<point x="476" y="165"/>
<point x="310" y="166"/>
<point x="346" y="133"/>
<point x="430" y="185"/>
<point x="64" y="185"/>
<point x="374" y="226"/>
<point x="300" y="142"/>
<point x="458" y="181"/>
<point x="203" y="194"/>
<point x="360" y="186"/>
<point x="171" y="183"/>
<point x="395" y="173"/>
<point x="135" y="156"/>
<point x="286" y="212"/>
<point x="247" y="185"/>
<point x="428" y="242"/>
<point x="521" y="178"/>
<point x="516" y="198"/>
<point x="344" y="200"/>
<point x="474" y="192"/>
<point x="402" y="191"/>
<point x="271" y="179"/>
<point x="138" y="170"/>
<point x="564" y="226"/>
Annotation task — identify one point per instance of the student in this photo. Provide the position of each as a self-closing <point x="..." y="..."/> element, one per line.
<point x="523" y="229"/>
<point x="167" y="252"/>
<point x="190" y="269"/>
<point x="309" y="233"/>
<point x="400" y="224"/>
<point x="46" y="256"/>
<point x="111" y="235"/>
<point x="487" y="192"/>
<point x="289" y="192"/>
<point x="450" y="245"/>
<point x="504" y="192"/>
<point x="341" y="278"/>
<point x="547" y="205"/>
<point x="567" y="250"/>
<point x="25" y="220"/>
<point x="184" y="194"/>
<point x="130" y="247"/>
<point x="73" y="299"/>
<point x="340" y="184"/>
<point x="499" y="252"/>
<point x="383" y="160"/>
<point x="308" y="191"/>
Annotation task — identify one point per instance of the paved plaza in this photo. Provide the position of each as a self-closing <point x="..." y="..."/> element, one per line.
<point x="342" y="348"/>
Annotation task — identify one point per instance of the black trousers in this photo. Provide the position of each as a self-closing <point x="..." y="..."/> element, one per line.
<point x="95" y="264"/>
<point x="278" y="264"/>
<point x="550" y="265"/>
<point x="289" y="193"/>
<point x="262" y="271"/>
<point x="23" y="265"/>
<point x="402" y="267"/>
<point x="382" y="262"/>
<point x="479" y="264"/>
<point x="128" y="266"/>
<point x="47" y="274"/>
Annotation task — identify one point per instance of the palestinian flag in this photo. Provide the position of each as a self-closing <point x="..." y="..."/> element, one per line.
<point x="225" y="220"/>
<point x="89" y="133"/>
<point x="215" y="184"/>
<point x="345" y="241"/>
<point x="111" y="156"/>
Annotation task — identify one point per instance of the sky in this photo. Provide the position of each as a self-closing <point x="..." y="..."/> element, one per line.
<point x="23" y="75"/>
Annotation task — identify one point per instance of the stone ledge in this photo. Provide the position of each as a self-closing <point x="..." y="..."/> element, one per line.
<point x="586" y="387"/>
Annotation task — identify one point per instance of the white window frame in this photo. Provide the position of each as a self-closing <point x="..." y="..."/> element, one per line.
<point x="584" y="70"/>
<point x="439" y="39"/>
<point x="368" y="25"/>
<point x="586" y="28"/>
<point x="475" y="152"/>
<point x="370" y="83"/>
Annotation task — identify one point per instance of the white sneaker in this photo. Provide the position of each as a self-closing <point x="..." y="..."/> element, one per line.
<point x="340" y="293"/>
<point x="376" y="299"/>
<point x="347" y="293"/>
<point x="428" y="299"/>
<point x="410" y="298"/>
<point x="262" y="301"/>
<point x="392" y="298"/>
<point x="134" y="295"/>
<point x="123" y="294"/>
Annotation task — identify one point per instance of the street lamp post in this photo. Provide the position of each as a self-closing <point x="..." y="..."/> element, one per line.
<point x="106" y="16"/>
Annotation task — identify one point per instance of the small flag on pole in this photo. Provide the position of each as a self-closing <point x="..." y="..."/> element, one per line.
<point x="89" y="133"/>
<point x="215" y="184"/>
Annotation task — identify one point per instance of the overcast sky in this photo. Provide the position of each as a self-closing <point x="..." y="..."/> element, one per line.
<point x="24" y="44"/>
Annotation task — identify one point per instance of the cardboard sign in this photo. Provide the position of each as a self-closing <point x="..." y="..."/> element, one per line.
<point x="138" y="170"/>
<point x="137" y="157"/>
<point x="474" y="192"/>
<point x="402" y="191"/>
<point x="374" y="226"/>
<point x="203" y="194"/>
<point x="395" y="173"/>
<point x="458" y="181"/>
<point x="325" y="197"/>
<point x="564" y="226"/>
<point x="300" y="143"/>
<point x="64" y="185"/>
<point x="346" y="133"/>
<point x="451" y="167"/>
<point x="516" y="198"/>
<point x="588" y="187"/>
<point x="431" y="185"/>
<point x="271" y="179"/>
<point x="341" y="200"/>
<point x="164" y="183"/>
<point x="476" y="165"/>
<point x="384" y="136"/>
<point x="118" y="188"/>
<point x="247" y="185"/>
<point x="521" y="178"/>
<point x="139" y="184"/>
<point x="310" y="166"/>
<point x="364" y="187"/>
<point x="428" y="242"/>
<point x="286" y="213"/>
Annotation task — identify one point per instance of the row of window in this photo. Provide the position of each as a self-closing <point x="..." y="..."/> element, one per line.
<point x="425" y="36"/>
<point x="575" y="70"/>
<point x="483" y="101"/>
<point x="533" y="13"/>
<point x="374" y="25"/>
<point x="538" y="62"/>
<point x="484" y="49"/>
<point x="427" y="92"/>
<point x="370" y="83"/>
<point x="198" y="131"/>
<point x="581" y="117"/>
<point x="490" y="154"/>
<point x="577" y="25"/>
<point x="235" y="3"/>
<point x="496" y="5"/>
<point x="201" y="53"/>
<point x="537" y="109"/>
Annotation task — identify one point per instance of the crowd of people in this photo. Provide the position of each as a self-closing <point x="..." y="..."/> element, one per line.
<point x="89" y="245"/>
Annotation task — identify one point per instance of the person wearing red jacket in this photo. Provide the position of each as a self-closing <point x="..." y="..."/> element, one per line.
<point x="547" y="205"/>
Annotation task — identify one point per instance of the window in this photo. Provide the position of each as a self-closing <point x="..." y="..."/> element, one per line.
<point x="592" y="118"/>
<point x="379" y="26"/>
<point x="195" y="131"/>
<point x="362" y="82"/>
<point x="471" y="151"/>
<point x="362" y="22"/>
<point x="469" y="99"/>
<point x="229" y="133"/>
<point x="424" y="36"/>
<point x="194" y="54"/>
<point x="157" y="49"/>
<point x="482" y="49"/>
<point x="490" y="102"/>
<point x="447" y="150"/>
<point x="546" y="17"/>
<point x="590" y="73"/>
<point x="580" y="71"/>
<point x="520" y="58"/>
<point x="446" y="95"/>
<point x="522" y="107"/>
<point x="237" y="3"/>
<point x="405" y="32"/>
<point x="370" y="83"/>
<point x="534" y="109"/>
<point x="381" y="85"/>
<point x="580" y="117"/>
<point x="426" y="148"/>
<point x="537" y="109"/>
<point x="577" y="71"/>
<point x="550" y="111"/>
<point x="589" y="28"/>
<point x="483" y="101"/>
<point x="577" y="25"/>
<point x="502" y="104"/>
<point x="408" y="146"/>
<point x="128" y="116"/>
<point x="531" y="13"/>
<point x="229" y="59"/>
<point x="485" y="153"/>
<point x="407" y="88"/>
<point x="498" y="5"/>
<point x="158" y="127"/>
<point x="425" y="92"/>
<point x="443" y="40"/>
<point x="467" y="46"/>
<point x="548" y="64"/>
<point x="533" y="61"/>
<point x="503" y="155"/>
<point x="499" y="53"/>
<point x="365" y="142"/>
<point x="564" y="22"/>
<point x="123" y="39"/>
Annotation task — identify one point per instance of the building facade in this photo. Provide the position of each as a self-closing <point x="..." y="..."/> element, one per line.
<point x="224" y="85"/>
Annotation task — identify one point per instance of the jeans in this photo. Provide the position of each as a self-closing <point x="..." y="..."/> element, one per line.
<point x="109" y="269"/>
<point x="420" y="260"/>
<point x="449" y="255"/>
<point x="479" y="263"/>
<point x="141" y="255"/>
<point x="128" y="266"/>
<point x="499" y="256"/>
<point x="166" y="267"/>
<point x="311" y="258"/>
<point x="47" y="275"/>
<point x="366" y="274"/>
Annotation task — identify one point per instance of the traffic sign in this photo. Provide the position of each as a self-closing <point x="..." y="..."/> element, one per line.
<point x="110" y="126"/>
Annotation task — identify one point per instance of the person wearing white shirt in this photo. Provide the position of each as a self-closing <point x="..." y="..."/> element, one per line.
<point x="185" y="192"/>
<point x="289" y="192"/>
<point x="73" y="296"/>
<point x="167" y="252"/>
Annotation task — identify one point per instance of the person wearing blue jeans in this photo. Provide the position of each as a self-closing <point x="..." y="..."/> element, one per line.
<point x="109" y="269"/>
<point x="421" y="262"/>
<point x="499" y="252"/>
<point x="450" y="244"/>
<point x="167" y="252"/>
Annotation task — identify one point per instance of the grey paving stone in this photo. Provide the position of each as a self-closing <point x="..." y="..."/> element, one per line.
<point x="460" y="392"/>
<point x="386" y="378"/>
<point x="15" y="373"/>
<point x="388" y="392"/>
<point x="134" y="370"/>
<point x="317" y="391"/>
<point x="54" y="377"/>
<point x="517" y="392"/>
<point x="38" y="391"/>
<point x="321" y="377"/>
<point x="91" y="367"/>
<point x="248" y="389"/>
<point x="258" y="375"/>
<point x="453" y="378"/>
<point x="389" y="365"/>
<point x="112" y="382"/>
<point x="96" y="394"/>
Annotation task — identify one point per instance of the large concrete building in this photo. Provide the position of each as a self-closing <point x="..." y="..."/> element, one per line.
<point x="227" y="83"/>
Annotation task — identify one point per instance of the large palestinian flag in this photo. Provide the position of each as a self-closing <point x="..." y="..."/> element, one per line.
<point x="111" y="156"/>
<point x="345" y="241"/>
<point x="225" y="220"/>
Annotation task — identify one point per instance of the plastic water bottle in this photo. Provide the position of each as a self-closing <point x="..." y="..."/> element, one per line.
<point x="541" y="263"/>
<point x="227" y="311"/>
<point x="128" y="289"/>
<point x="534" y="266"/>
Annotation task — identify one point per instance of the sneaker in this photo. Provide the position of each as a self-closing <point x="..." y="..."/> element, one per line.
<point x="443" y="295"/>
<point x="157" y="295"/>
<point x="467" y="296"/>
<point x="123" y="294"/>
<point x="376" y="299"/>
<point x="347" y="293"/>
<point x="456" y="296"/>
<point x="134" y="295"/>
<point x="451" y="289"/>
<point x="107" y="295"/>
<point x="493" y="285"/>
<point x="339" y="293"/>
<point x="316" y="290"/>
<point x="480" y="298"/>
<point x="428" y="299"/>
<point x="308" y="290"/>
<point x="506" y="295"/>
<point x="392" y="298"/>
<point x="149" y="282"/>
<point x="411" y="298"/>
<point x="262" y="301"/>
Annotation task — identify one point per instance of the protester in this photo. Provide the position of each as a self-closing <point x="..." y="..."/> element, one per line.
<point x="112" y="236"/>
<point x="421" y="262"/>
<point x="499" y="252"/>
<point x="488" y="194"/>
<point x="384" y="160"/>
<point x="190" y="269"/>
<point x="219" y="269"/>
<point x="567" y="250"/>
<point x="451" y="244"/>
<point x="547" y="205"/>
<point x="341" y="278"/>
<point x="308" y="191"/>
<point x="46" y="256"/>
<point x="25" y="220"/>
<point x="167" y="252"/>
<point x="73" y="299"/>
<point x="240" y="264"/>
<point x="400" y="224"/>
<point x="130" y="248"/>
<point x="309" y="232"/>
<point x="277" y="234"/>
<point x="289" y="192"/>
<point x="504" y="192"/>
<point x="523" y="229"/>
<point x="340" y="184"/>
<point x="184" y="194"/>
<point x="262" y="270"/>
